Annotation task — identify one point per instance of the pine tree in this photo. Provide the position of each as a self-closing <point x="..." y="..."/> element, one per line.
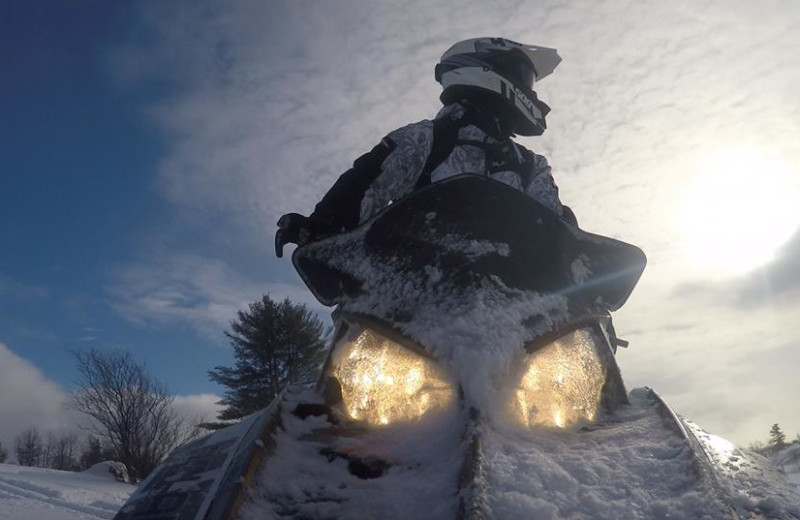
<point x="777" y="439"/>
<point x="274" y="344"/>
<point x="29" y="448"/>
<point x="3" y="453"/>
<point x="92" y="453"/>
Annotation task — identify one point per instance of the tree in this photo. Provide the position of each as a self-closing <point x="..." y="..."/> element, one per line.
<point x="758" y="447"/>
<point x="130" y="409"/>
<point x="3" y="453"/>
<point x="274" y="344"/>
<point x="92" y="453"/>
<point x="61" y="452"/>
<point x="777" y="439"/>
<point x="28" y="446"/>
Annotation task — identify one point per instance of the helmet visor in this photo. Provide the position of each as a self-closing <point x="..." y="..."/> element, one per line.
<point x="514" y="66"/>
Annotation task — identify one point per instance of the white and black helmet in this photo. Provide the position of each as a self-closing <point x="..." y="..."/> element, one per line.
<point x="503" y="67"/>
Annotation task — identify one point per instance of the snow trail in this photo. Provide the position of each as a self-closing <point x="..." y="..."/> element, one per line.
<point x="43" y="494"/>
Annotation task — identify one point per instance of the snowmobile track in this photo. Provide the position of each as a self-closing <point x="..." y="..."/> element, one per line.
<point x="703" y="465"/>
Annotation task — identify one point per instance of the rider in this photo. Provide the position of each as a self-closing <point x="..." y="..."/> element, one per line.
<point x="488" y="98"/>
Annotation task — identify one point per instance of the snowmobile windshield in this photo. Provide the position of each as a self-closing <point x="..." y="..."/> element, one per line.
<point x="560" y="384"/>
<point x="385" y="383"/>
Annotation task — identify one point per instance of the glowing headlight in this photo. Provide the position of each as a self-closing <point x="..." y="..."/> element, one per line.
<point x="562" y="383"/>
<point x="383" y="382"/>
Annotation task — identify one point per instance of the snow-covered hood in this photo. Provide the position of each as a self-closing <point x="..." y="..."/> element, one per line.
<point x="633" y="464"/>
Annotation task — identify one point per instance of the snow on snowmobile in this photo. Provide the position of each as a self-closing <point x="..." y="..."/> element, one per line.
<point x="471" y="375"/>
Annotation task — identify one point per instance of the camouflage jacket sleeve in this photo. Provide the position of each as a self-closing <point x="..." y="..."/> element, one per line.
<point x="540" y="185"/>
<point x="341" y="206"/>
<point x="386" y="173"/>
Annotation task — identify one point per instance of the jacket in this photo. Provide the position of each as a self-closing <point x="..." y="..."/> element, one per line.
<point x="458" y="141"/>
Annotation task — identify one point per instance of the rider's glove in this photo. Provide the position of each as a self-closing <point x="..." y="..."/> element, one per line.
<point x="298" y="229"/>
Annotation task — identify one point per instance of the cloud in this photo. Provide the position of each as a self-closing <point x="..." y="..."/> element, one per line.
<point x="10" y="288"/>
<point x="732" y="371"/>
<point x="778" y="278"/>
<point x="198" y="407"/>
<point x="28" y="398"/>
<point x="777" y="282"/>
<point x="203" y="293"/>
<point x="743" y="400"/>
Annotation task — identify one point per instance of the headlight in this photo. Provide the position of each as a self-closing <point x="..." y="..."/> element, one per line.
<point x="384" y="383"/>
<point x="561" y="383"/>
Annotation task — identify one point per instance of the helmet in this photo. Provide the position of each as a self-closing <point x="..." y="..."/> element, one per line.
<point x="504" y="68"/>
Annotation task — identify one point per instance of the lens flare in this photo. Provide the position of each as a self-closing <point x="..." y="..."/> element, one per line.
<point x="561" y="384"/>
<point x="384" y="383"/>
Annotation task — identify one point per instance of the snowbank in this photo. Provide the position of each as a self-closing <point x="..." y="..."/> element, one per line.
<point x="110" y="469"/>
<point x="789" y="460"/>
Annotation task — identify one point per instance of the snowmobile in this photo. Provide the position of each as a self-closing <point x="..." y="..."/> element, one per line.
<point x="472" y="375"/>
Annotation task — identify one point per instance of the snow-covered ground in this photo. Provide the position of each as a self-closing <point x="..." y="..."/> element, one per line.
<point x="47" y="494"/>
<point x="44" y="494"/>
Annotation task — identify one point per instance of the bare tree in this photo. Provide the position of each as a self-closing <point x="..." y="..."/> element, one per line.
<point x="62" y="451"/>
<point x="758" y="447"/>
<point x="130" y="409"/>
<point x="28" y="446"/>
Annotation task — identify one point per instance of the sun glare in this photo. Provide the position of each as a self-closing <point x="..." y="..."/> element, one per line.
<point x="739" y="208"/>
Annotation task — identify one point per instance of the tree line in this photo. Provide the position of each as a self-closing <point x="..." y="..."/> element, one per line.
<point x="131" y="417"/>
<point x="775" y="442"/>
<point x="58" y="450"/>
<point x="130" y="420"/>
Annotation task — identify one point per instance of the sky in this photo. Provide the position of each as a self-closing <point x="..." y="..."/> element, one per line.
<point x="147" y="150"/>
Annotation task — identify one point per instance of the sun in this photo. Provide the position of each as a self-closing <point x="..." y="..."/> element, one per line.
<point x="740" y="206"/>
